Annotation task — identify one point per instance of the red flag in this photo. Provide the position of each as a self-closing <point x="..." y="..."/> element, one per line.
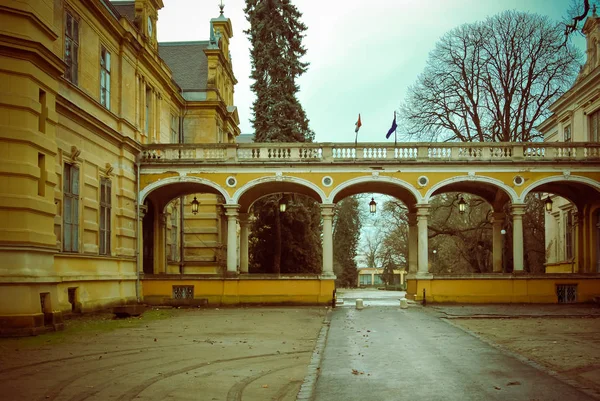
<point x="358" y="124"/>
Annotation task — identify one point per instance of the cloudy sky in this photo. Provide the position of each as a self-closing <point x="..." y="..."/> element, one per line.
<point x="363" y="54"/>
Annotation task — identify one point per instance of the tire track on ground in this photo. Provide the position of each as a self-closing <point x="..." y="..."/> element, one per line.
<point x="236" y="391"/>
<point x="135" y="391"/>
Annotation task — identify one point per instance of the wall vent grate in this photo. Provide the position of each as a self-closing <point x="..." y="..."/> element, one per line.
<point x="566" y="293"/>
<point x="183" y="292"/>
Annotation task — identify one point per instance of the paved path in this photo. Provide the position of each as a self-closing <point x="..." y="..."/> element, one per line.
<point x="385" y="353"/>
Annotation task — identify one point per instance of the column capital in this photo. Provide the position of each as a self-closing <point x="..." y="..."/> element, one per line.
<point x="231" y="210"/>
<point x="143" y="209"/>
<point x="327" y="209"/>
<point x="518" y="209"/>
<point x="423" y="210"/>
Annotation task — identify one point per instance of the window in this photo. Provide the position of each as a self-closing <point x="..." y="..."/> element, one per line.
<point x="174" y="226"/>
<point x="595" y="126"/>
<point x="567" y="133"/>
<point x="365" y="279"/>
<point x="174" y="129"/>
<point x="71" y="47"/>
<point x="105" y="205"/>
<point x="105" y="78"/>
<point x="42" y="179"/>
<point x="148" y="100"/>
<point x="569" y="234"/>
<point x="71" y="208"/>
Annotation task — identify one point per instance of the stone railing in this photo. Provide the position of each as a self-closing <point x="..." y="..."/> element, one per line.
<point x="370" y="152"/>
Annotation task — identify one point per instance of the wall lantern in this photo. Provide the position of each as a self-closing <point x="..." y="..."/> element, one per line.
<point x="462" y="205"/>
<point x="373" y="205"/>
<point x="195" y="205"/>
<point x="548" y="204"/>
<point x="282" y="206"/>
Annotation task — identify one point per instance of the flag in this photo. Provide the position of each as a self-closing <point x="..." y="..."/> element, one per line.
<point x="393" y="129"/>
<point x="358" y="124"/>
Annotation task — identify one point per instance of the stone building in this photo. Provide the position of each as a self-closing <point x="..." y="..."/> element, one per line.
<point x="575" y="118"/>
<point x="83" y="86"/>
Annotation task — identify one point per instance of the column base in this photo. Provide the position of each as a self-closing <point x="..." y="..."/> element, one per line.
<point x="327" y="276"/>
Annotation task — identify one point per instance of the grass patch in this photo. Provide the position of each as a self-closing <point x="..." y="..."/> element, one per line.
<point x="87" y="324"/>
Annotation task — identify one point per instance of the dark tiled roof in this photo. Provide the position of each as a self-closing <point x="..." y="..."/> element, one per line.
<point x="188" y="63"/>
<point x="125" y="8"/>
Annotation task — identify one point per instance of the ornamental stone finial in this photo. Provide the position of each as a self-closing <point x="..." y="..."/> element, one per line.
<point x="221" y="7"/>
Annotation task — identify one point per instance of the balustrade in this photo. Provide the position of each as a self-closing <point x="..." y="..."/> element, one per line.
<point x="370" y="152"/>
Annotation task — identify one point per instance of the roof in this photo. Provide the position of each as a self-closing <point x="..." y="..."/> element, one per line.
<point x="125" y="8"/>
<point x="188" y="63"/>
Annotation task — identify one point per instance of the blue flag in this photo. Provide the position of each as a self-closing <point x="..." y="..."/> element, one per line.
<point x="393" y="129"/>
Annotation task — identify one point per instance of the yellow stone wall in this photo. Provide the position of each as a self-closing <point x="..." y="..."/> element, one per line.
<point x="47" y="122"/>
<point x="532" y="289"/>
<point x="244" y="291"/>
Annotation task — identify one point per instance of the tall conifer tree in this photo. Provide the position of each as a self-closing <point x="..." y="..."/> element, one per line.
<point x="290" y="242"/>
<point x="276" y="34"/>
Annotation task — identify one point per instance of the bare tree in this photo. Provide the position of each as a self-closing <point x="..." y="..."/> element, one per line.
<point x="491" y="81"/>
<point x="576" y="15"/>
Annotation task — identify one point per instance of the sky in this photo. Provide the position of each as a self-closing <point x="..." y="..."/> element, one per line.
<point x="363" y="54"/>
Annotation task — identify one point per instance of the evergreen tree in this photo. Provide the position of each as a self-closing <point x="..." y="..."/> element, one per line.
<point x="287" y="242"/>
<point x="276" y="34"/>
<point x="346" y="234"/>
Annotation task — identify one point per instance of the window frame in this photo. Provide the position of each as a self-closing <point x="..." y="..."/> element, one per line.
<point x="174" y="128"/>
<point x="567" y="133"/>
<point x="105" y="81"/>
<point x="569" y="235"/>
<point x="70" y="218"/>
<point x="594" y="126"/>
<point x="174" y="235"/>
<point x="105" y="214"/>
<point x="71" y="43"/>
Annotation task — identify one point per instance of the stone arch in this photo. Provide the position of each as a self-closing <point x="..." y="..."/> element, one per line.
<point x="588" y="182"/>
<point x="196" y="181"/>
<point x="510" y="193"/>
<point x="393" y="186"/>
<point x="248" y="193"/>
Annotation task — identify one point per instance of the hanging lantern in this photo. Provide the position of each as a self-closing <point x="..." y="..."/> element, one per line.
<point x="548" y="204"/>
<point x="373" y="205"/>
<point x="282" y="206"/>
<point x="195" y="205"/>
<point x="462" y="205"/>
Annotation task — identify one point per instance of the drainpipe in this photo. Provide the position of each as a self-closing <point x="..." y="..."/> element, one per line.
<point x="137" y="228"/>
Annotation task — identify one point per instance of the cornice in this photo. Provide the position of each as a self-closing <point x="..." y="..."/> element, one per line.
<point x="34" y="52"/>
<point x="74" y="112"/>
<point x="586" y="84"/>
<point x="50" y="33"/>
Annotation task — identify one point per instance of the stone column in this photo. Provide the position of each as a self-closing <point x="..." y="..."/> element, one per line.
<point x="243" y="218"/>
<point x="231" y="211"/>
<point x="497" y="221"/>
<point x="423" y="263"/>
<point x="327" y="215"/>
<point x="412" y="243"/>
<point x="518" y="211"/>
